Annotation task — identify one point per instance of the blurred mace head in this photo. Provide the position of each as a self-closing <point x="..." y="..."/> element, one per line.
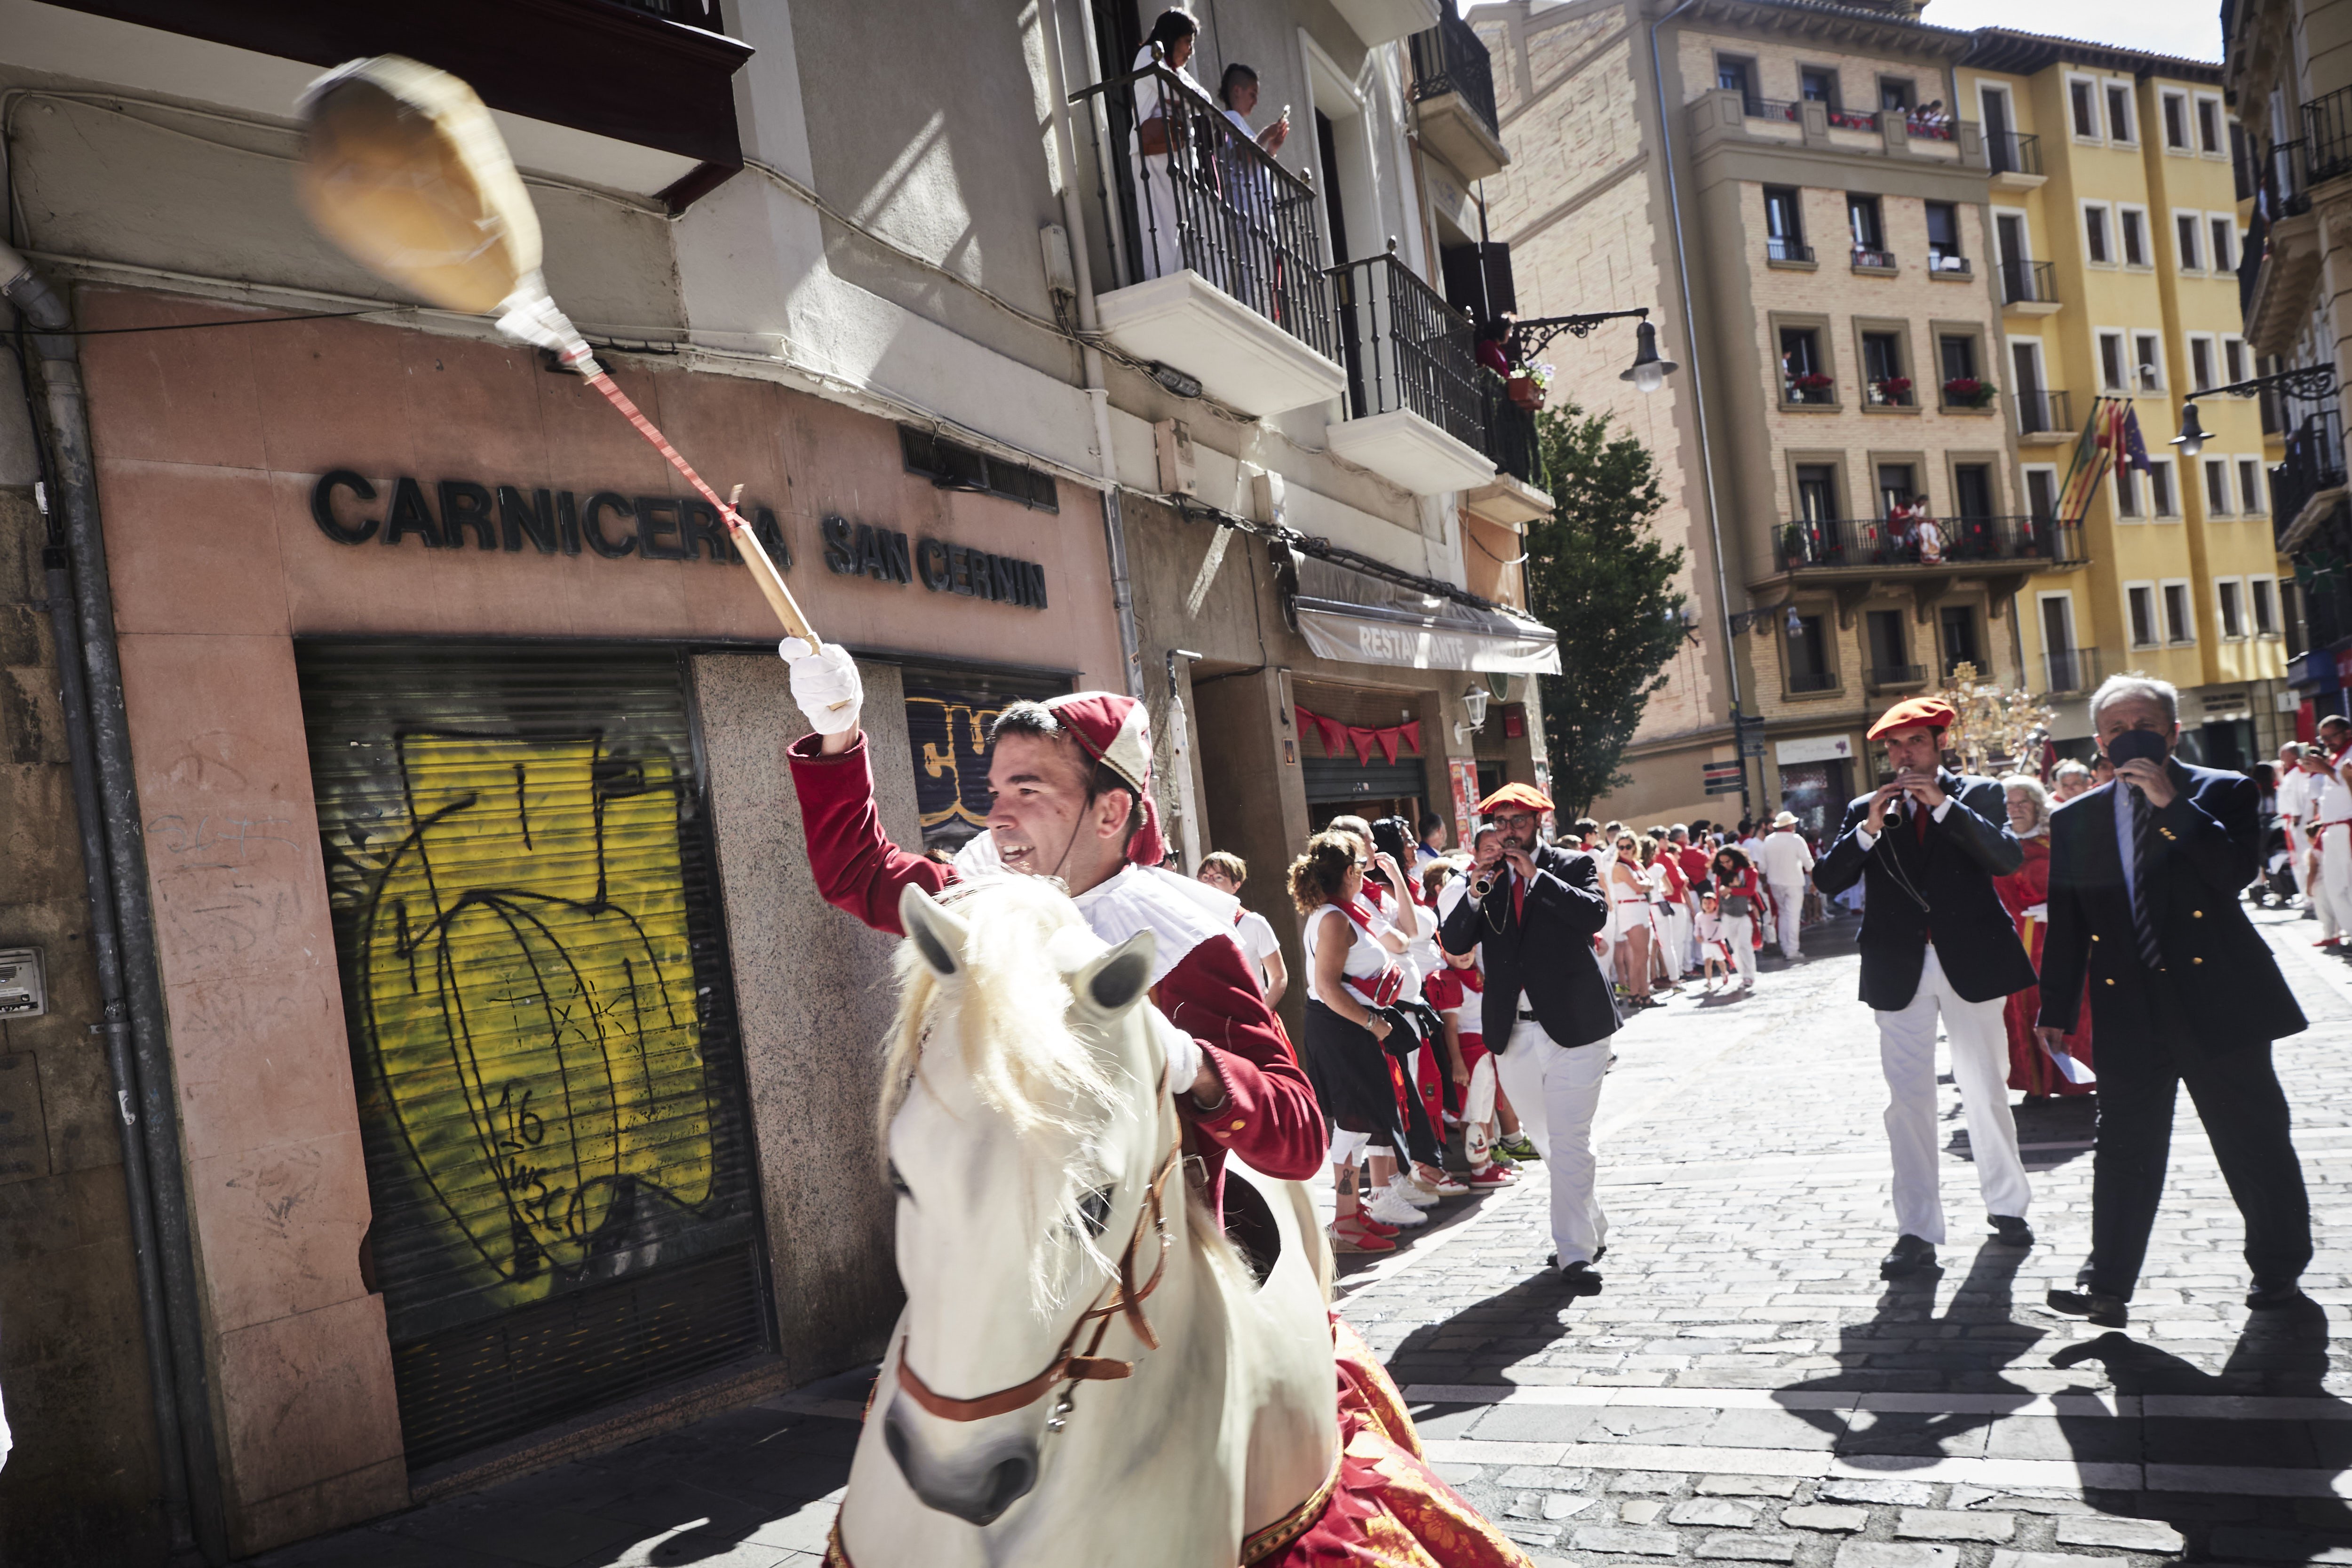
<point x="405" y="169"/>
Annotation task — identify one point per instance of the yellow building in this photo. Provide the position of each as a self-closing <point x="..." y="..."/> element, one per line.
<point x="2117" y="234"/>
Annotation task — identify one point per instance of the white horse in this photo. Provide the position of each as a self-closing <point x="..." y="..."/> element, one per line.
<point x="1088" y="1372"/>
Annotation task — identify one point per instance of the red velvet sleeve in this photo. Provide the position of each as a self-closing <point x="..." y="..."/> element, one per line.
<point x="1269" y="1119"/>
<point x="858" y="867"/>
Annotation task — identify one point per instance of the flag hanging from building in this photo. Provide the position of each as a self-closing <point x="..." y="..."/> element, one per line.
<point x="2089" y="467"/>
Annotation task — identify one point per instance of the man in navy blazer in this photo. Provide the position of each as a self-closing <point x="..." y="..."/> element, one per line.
<point x="1935" y="940"/>
<point x="2144" y="879"/>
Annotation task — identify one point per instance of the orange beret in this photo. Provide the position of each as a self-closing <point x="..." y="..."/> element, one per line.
<point x="1517" y="795"/>
<point x="1932" y="712"/>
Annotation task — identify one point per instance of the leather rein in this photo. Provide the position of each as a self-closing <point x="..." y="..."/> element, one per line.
<point x="1070" y="1365"/>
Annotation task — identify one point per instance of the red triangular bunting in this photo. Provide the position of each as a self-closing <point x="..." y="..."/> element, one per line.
<point x="1387" y="738"/>
<point x="1363" y="740"/>
<point x="1335" y="735"/>
<point x="1410" y="730"/>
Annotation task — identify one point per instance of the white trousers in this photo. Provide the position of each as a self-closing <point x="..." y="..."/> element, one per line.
<point x="1789" y="904"/>
<point x="2298" y="847"/>
<point x="1555" y="1090"/>
<point x="1980" y="1048"/>
<point x="1478" y="1110"/>
<point x="2335" y="889"/>
<point x="1740" y="935"/>
<point x="1673" y="939"/>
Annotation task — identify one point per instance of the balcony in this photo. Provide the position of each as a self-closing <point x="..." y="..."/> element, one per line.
<point x="1507" y="433"/>
<point x="1869" y="259"/>
<point x="1894" y="677"/>
<point x="1851" y="120"/>
<point x="1453" y="98"/>
<point x="1215" y="249"/>
<point x="2327" y="136"/>
<point x="2015" y="161"/>
<point x="1858" y="547"/>
<point x="1948" y="265"/>
<point x="1889" y="391"/>
<point x="1809" y="389"/>
<point x="2308" y="484"/>
<point x="1412" y="389"/>
<point x="2069" y="670"/>
<point x="2028" y="288"/>
<point x="2043" y="417"/>
<point x="1788" y="252"/>
<point x="2282" y="248"/>
<point x="1809" y="682"/>
<point x="1378" y="22"/>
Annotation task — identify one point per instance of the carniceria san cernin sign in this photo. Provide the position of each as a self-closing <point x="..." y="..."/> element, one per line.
<point x="650" y="528"/>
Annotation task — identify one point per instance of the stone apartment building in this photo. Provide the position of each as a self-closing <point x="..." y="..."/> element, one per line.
<point x="1786" y="184"/>
<point x="2118" y="241"/>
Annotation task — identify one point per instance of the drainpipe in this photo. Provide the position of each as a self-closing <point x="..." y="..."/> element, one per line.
<point x="1073" y="220"/>
<point x="114" y="866"/>
<point x="1698" y="390"/>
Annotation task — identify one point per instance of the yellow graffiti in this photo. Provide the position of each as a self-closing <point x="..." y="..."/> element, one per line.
<point x="529" y="991"/>
<point x="961" y="731"/>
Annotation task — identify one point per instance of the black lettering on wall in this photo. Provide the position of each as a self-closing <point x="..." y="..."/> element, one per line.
<point x="894" y="556"/>
<point x="601" y="501"/>
<point x="699" y="524"/>
<point x="322" y="507"/>
<point x="771" y="539"/>
<point x="409" y="515"/>
<point x="464" y="505"/>
<point x="932" y="563"/>
<point x="869" y="554"/>
<point x="534" y="517"/>
<point x="656" y="525"/>
<point x="840" y="550"/>
<point x="567" y="521"/>
<point x="1036" y="585"/>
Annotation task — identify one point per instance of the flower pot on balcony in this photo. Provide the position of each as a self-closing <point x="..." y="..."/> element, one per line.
<point x="1967" y="391"/>
<point x="1525" y="391"/>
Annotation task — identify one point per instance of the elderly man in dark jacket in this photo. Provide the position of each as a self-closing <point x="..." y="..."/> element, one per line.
<point x="2144" y="879"/>
<point x="1935" y="940"/>
<point x="1547" y="1012"/>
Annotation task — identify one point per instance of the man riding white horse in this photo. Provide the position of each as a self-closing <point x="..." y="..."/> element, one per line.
<point x="1070" y="786"/>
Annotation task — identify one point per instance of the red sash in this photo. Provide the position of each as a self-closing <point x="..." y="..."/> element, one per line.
<point x="1381" y="990"/>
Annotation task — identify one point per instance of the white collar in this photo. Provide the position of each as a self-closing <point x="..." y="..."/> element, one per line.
<point x="1180" y="912"/>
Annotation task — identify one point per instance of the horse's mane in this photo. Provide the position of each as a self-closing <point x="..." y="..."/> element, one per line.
<point x="1025" y="1062"/>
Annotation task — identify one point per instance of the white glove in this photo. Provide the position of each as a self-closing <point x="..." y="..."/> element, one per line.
<point x="1183" y="1053"/>
<point x="825" y="685"/>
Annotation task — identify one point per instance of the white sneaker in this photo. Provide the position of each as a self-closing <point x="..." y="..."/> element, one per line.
<point x="1391" y="1207"/>
<point x="1412" y="1191"/>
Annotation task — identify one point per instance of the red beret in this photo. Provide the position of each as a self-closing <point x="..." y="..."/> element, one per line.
<point x="1932" y="712"/>
<point x="1524" y="795"/>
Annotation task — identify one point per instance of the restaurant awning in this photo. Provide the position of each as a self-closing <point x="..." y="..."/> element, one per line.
<point x="1355" y="616"/>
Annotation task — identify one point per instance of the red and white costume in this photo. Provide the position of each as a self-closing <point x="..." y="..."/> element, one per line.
<point x="1201" y="980"/>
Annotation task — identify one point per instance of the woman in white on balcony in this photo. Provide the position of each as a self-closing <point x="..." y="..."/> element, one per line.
<point x="1248" y="190"/>
<point x="1169" y="47"/>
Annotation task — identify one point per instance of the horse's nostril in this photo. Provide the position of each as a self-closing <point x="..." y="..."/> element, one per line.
<point x="1009" y="1482"/>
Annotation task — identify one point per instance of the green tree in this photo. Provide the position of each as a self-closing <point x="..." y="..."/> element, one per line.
<point x="1598" y="574"/>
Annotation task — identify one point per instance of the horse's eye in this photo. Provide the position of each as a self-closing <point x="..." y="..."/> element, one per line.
<point x="1095" y="1209"/>
<point x="899" y="1183"/>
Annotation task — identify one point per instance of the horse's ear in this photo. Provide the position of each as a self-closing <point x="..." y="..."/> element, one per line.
<point x="1117" y="979"/>
<point x="937" y="935"/>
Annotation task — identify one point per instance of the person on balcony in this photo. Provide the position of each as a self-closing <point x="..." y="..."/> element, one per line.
<point x="1237" y="90"/>
<point x="1164" y="135"/>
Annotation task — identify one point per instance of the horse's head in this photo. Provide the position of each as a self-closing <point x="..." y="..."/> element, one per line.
<point x="1024" y="1125"/>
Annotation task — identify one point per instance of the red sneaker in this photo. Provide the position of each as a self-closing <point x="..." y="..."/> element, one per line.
<point x="1356" y="1235"/>
<point x="2329" y="942"/>
<point x="1487" y="1178"/>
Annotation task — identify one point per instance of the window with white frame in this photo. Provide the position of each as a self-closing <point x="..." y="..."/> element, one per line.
<point x="2175" y="107"/>
<point x="2210" y="140"/>
<point x="2263" y="591"/>
<point x="2083" y="107"/>
<point x="2234" y="360"/>
<point x="2230" y="595"/>
<point x="2200" y="362"/>
<point x="2131" y="225"/>
<point x="2128" y="495"/>
<point x="2250" y="486"/>
<point x="2042" y="491"/>
<point x="2161" y="500"/>
<point x="2216" y="486"/>
<point x="2114" y="369"/>
<point x="2223" y="252"/>
<point x="2139" y="603"/>
<point x="2179" y="625"/>
<point x="2188" y="236"/>
<point x="2119" y="113"/>
<point x="2148" y="362"/>
<point x="2098" y="248"/>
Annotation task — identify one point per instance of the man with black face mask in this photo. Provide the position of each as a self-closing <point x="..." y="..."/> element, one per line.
<point x="2144" y="880"/>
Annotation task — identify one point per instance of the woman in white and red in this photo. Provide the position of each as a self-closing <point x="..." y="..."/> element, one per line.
<point x="1069" y="781"/>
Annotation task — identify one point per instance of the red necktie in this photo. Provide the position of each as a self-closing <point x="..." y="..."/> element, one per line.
<point x="1918" y="825"/>
<point x="1519" y="901"/>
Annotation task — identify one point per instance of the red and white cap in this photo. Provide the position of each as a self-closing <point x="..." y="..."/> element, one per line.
<point x="1115" y="731"/>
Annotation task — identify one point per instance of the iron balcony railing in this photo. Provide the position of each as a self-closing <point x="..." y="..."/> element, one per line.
<point x="1404" y="347"/>
<point x="1813" y="681"/>
<point x="2027" y="283"/>
<point x="1209" y="199"/>
<point x="1879" y="677"/>
<point x="2066" y="669"/>
<point x="1834" y="543"/>
<point x="2010" y="153"/>
<point x="1866" y="258"/>
<point x="1950" y="263"/>
<point x="1772" y="109"/>
<point x="1851" y="120"/>
<point x="1451" y="58"/>
<point x="2283" y="181"/>
<point x="1776" y="249"/>
<point x="1507" y="433"/>
<point x="2327" y="135"/>
<point x="2314" y="462"/>
<point x="2040" y="411"/>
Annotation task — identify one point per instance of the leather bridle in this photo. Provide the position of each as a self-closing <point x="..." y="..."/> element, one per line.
<point x="1070" y="1365"/>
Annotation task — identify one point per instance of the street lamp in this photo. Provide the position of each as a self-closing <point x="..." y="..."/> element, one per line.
<point x="1648" y="372"/>
<point x="2192" y="439"/>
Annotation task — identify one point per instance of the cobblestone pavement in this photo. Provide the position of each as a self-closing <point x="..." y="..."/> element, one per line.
<point x="1746" y="1390"/>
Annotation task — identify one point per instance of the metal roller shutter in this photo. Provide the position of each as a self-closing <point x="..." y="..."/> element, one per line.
<point x="1330" y="779"/>
<point x="542" y="1027"/>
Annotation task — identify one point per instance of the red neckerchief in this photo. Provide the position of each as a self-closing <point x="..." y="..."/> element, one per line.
<point x="1382" y="989"/>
